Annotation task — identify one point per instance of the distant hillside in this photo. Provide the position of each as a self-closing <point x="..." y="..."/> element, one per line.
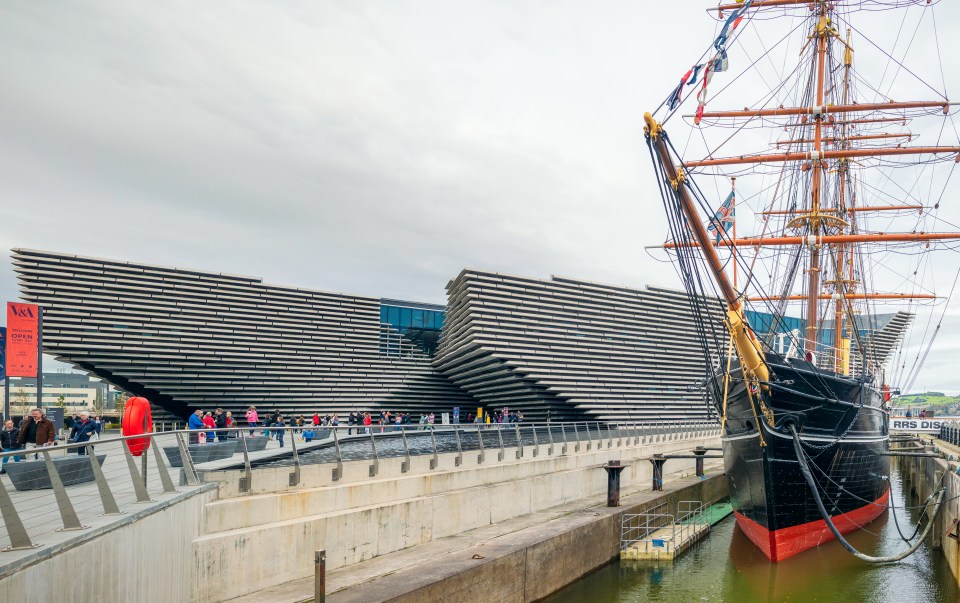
<point x="932" y="400"/>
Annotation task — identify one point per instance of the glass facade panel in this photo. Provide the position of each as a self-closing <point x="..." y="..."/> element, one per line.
<point x="420" y="325"/>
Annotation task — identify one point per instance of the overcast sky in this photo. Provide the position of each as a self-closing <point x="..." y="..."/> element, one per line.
<point x="370" y="147"/>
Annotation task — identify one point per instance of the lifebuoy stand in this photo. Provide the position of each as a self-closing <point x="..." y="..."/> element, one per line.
<point x="137" y="420"/>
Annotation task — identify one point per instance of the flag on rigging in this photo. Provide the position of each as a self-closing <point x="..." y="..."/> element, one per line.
<point x="721" y="221"/>
<point x="718" y="63"/>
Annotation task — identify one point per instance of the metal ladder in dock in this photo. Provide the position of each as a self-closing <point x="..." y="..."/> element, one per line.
<point x="658" y="535"/>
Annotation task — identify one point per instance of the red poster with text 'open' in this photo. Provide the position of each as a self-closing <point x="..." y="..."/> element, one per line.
<point x="22" y="339"/>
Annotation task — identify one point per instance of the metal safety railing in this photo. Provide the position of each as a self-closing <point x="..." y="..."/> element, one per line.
<point x="72" y="486"/>
<point x="658" y="528"/>
<point x="638" y="527"/>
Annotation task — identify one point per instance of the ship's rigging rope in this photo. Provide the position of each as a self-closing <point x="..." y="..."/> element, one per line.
<point x="793" y="264"/>
<point x="808" y="476"/>
<point x="699" y="286"/>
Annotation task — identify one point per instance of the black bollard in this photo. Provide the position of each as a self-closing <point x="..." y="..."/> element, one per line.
<point x="320" y="576"/>
<point x="613" y="482"/>
<point x="658" y="460"/>
<point x="699" y="451"/>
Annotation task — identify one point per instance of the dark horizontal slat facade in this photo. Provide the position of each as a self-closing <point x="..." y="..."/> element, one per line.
<point x="189" y="339"/>
<point x="573" y="348"/>
<point x="551" y="348"/>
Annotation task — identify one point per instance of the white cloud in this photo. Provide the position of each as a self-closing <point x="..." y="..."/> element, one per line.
<point x="370" y="147"/>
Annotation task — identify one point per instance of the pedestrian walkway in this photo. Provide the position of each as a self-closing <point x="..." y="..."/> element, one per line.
<point x="40" y="513"/>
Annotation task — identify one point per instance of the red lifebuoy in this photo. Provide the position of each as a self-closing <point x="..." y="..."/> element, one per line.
<point x="137" y="420"/>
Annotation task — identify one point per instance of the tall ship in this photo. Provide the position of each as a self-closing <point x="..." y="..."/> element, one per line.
<point x="839" y="166"/>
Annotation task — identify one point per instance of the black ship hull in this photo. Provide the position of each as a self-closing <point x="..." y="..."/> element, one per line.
<point x="843" y="426"/>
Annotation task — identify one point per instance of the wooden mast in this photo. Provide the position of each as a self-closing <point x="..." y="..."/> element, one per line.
<point x="830" y="109"/>
<point x="890" y="237"/>
<point x="815" y="156"/>
<point x="813" y="218"/>
<point x="841" y="345"/>
<point x="748" y="348"/>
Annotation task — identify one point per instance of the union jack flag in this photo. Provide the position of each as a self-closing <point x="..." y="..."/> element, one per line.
<point x="723" y="219"/>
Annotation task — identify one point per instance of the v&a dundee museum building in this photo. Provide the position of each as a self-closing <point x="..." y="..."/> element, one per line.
<point x="550" y="348"/>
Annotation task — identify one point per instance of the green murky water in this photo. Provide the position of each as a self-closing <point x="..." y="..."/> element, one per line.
<point x="728" y="567"/>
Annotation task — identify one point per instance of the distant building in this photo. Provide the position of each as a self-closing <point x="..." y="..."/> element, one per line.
<point x="79" y="392"/>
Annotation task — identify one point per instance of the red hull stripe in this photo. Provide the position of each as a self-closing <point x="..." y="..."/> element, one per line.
<point x="786" y="542"/>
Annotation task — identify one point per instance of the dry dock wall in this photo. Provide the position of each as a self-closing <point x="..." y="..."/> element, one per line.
<point x="257" y="541"/>
<point x="530" y="564"/>
<point x="921" y="476"/>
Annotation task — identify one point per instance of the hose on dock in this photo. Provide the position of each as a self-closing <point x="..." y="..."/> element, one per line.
<point x="808" y="476"/>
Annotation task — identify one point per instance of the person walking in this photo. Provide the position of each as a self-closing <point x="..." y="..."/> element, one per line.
<point x="8" y="441"/>
<point x="279" y="424"/>
<point x="82" y="431"/>
<point x="36" y="431"/>
<point x="252" y="419"/>
<point x="231" y="424"/>
<point x="367" y="422"/>
<point x="195" y="423"/>
<point x="220" y="422"/>
<point x="210" y="423"/>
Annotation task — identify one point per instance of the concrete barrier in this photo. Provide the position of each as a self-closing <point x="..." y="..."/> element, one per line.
<point x="141" y="558"/>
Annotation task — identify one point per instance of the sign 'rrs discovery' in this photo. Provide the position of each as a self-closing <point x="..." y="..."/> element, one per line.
<point x="22" y="339"/>
<point x="915" y="425"/>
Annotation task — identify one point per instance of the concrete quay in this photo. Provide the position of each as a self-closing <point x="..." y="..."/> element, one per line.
<point x="521" y="559"/>
<point x="267" y="537"/>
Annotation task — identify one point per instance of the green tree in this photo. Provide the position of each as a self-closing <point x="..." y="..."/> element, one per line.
<point x="98" y="403"/>
<point x="121" y="402"/>
<point x="62" y="401"/>
<point x="21" y="401"/>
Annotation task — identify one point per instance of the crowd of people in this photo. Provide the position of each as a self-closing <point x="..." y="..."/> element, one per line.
<point x="36" y="430"/>
<point x="356" y="422"/>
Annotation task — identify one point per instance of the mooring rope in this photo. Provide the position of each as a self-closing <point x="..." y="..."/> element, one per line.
<point x="808" y="476"/>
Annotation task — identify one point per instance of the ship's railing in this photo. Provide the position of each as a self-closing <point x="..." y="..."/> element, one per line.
<point x="79" y="486"/>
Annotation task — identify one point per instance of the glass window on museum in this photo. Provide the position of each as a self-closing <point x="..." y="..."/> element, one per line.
<point x="410" y="326"/>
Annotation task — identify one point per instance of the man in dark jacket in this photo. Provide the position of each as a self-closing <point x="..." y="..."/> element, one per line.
<point x="8" y="441"/>
<point x="82" y="431"/>
<point x="36" y="430"/>
<point x="220" y="420"/>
